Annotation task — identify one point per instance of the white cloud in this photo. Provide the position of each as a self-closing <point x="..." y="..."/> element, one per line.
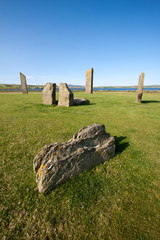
<point x="40" y="76"/>
<point x="30" y="77"/>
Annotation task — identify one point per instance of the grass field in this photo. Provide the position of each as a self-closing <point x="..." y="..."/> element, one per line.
<point x="117" y="200"/>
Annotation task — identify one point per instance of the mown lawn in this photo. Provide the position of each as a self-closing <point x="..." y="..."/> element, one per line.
<point x="117" y="200"/>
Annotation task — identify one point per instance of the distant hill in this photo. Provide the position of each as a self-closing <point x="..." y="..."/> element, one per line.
<point x="135" y="86"/>
<point x="18" y="86"/>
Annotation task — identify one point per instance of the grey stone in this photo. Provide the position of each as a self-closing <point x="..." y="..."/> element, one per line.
<point x="57" y="163"/>
<point x="49" y="94"/>
<point x="23" y="83"/>
<point x="65" y="95"/>
<point x="80" y="101"/>
<point x="140" y="87"/>
<point x="89" y="81"/>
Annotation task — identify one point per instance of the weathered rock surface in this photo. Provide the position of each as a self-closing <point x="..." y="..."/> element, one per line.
<point x="23" y="83"/>
<point x="89" y="81"/>
<point x="140" y="87"/>
<point x="57" y="163"/>
<point x="80" y="101"/>
<point x="49" y="94"/>
<point x="65" y="96"/>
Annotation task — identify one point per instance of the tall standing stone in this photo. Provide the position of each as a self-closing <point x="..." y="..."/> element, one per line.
<point x="49" y="94"/>
<point x="89" y="81"/>
<point x="140" y="87"/>
<point x="65" y="96"/>
<point x="23" y="83"/>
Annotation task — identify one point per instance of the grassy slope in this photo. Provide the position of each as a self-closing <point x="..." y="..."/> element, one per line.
<point x="117" y="200"/>
<point x="9" y="86"/>
<point x="18" y="86"/>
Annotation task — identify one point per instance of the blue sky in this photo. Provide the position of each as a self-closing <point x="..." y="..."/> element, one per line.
<point x="58" y="40"/>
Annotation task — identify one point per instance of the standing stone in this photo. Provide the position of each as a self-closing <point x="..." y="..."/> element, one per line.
<point x="49" y="94"/>
<point x="140" y="87"/>
<point x="23" y="83"/>
<point x="65" y="95"/>
<point x="89" y="81"/>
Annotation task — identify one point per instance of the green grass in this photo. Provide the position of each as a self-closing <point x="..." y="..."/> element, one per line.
<point x="117" y="200"/>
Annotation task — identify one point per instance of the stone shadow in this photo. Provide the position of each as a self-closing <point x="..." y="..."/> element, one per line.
<point x="120" y="147"/>
<point x="151" y="101"/>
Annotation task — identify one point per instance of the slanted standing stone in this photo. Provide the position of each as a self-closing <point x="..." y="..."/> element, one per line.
<point x="140" y="87"/>
<point x="65" y="96"/>
<point x="23" y="83"/>
<point x="49" y="94"/>
<point x="89" y="81"/>
<point x="56" y="163"/>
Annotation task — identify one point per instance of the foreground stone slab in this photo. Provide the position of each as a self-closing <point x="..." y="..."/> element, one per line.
<point x="65" y="96"/>
<point x="140" y="87"/>
<point x="57" y="163"/>
<point x="89" y="81"/>
<point x="23" y="83"/>
<point x="80" y="101"/>
<point x="49" y="94"/>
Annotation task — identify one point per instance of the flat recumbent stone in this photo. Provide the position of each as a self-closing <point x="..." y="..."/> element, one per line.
<point x="58" y="162"/>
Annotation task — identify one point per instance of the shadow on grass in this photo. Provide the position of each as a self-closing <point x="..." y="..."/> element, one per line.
<point x="56" y="104"/>
<point x="120" y="147"/>
<point x="151" y="101"/>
